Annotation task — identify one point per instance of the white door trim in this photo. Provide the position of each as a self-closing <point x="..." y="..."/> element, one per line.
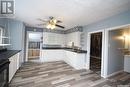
<point x="107" y="46"/>
<point x="26" y="59"/>
<point x="104" y="70"/>
<point x="103" y="63"/>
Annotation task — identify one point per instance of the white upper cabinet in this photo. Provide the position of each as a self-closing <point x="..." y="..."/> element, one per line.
<point x="53" y="38"/>
<point x="73" y="37"/>
<point x="62" y="39"/>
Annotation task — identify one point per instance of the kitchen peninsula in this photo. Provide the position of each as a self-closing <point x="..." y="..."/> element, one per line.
<point x="74" y="57"/>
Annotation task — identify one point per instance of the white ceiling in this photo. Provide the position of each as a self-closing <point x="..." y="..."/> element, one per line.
<point x="71" y="12"/>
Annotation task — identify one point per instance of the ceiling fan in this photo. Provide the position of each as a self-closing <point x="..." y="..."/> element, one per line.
<point x="51" y="23"/>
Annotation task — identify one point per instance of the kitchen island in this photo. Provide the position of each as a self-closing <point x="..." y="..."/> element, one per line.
<point x="73" y="57"/>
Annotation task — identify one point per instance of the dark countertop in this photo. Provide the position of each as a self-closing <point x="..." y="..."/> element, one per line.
<point x="65" y="48"/>
<point x="7" y="54"/>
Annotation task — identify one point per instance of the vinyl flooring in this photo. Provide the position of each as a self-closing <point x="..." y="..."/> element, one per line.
<point x="60" y="74"/>
<point x="95" y="65"/>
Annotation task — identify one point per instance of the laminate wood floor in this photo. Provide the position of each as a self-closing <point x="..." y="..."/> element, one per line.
<point x="60" y="74"/>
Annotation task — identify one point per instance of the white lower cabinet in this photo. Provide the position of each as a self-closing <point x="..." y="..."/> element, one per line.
<point x="52" y="55"/>
<point x="13" y="66"/>
<point x="76" y="60"/>
<point x="127" y="63"/>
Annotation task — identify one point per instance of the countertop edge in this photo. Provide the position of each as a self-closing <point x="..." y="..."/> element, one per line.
<point x="67" y="49"/>
<point x="7" y="54"/>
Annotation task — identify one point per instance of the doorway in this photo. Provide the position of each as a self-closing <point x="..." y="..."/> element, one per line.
<point x="96" y="52"/>
<point x="34" y="40"/>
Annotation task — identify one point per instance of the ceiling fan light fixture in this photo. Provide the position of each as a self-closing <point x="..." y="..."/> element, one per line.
<point x="55" y="21"/>
<point x="52" y="23"/>
<point x="53" y="26"/>
<point x="50" y="26"/>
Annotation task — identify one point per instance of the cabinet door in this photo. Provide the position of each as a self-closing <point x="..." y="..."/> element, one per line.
<point x="52" y="55"/>
<point x="60" y="39"/>
<point x="45" y="38"/>
<point x="17" y="61"/>
<point x="53" y="38"/>
<point x="127" y="63"/>
<point x="11" y="68"/>
<point x="73" y="37"/>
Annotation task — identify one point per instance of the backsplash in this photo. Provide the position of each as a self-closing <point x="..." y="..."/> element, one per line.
<point x="47" y="45"/>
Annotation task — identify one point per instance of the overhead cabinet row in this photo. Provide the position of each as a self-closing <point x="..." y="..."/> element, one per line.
<point x="62" y="39"/>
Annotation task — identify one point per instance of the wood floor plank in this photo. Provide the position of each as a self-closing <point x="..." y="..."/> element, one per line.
<point x="60" y="74"/>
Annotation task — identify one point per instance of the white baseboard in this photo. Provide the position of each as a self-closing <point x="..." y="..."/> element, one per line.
<point x="115" y="73"/>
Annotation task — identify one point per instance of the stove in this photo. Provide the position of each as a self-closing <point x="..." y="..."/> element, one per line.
<point x="4" y="73"/>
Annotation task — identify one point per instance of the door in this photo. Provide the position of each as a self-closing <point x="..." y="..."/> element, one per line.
<point x="96" y="52"/>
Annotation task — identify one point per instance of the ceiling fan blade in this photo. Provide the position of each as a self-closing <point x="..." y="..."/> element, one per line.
<point x="60" y="26"/>
<point x="41" y="24"/>
<point x="59" y="21"/>
<point x="42" y="20"/>
<point x="51" y="17"/>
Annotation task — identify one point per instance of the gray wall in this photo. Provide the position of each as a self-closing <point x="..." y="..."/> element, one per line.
<point x="17" y="30"/>
<point x="117" y="20"/>
<point x="2" y="22"/>
<point x="114" y="64"/>
<point x="115" y="56"/>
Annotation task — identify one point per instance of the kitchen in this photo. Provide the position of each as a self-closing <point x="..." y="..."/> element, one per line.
<point x="55" y="43"/>
<point x="51" y="46"/>
<point x="11" y="53"/>
<point x="58" y="46"/>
